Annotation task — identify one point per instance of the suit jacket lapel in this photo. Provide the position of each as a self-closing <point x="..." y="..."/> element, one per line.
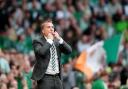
<point x="55" y="42"/>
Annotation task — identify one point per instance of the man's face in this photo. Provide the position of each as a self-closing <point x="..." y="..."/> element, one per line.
<point x="47" y="28"/>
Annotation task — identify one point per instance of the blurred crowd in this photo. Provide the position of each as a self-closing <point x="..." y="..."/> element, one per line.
<point x="81" y="23"/>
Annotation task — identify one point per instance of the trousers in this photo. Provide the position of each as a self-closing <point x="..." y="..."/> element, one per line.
<point x="49" y="82"/>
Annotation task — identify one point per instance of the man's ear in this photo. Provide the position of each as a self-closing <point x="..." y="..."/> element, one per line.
<point x="42" y="31"/>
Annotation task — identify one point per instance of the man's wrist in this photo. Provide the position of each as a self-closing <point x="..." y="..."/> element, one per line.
<point x="60" y="40"/>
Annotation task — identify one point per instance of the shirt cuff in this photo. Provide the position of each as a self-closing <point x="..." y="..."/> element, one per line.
<point x="50" y="41"/>
<point x="61" y="41"/>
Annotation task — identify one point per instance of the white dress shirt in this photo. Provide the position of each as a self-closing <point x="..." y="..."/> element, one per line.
<point x="49" y="68"/>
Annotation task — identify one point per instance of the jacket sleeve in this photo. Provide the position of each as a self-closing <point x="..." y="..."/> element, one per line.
<point x="65" y="48"/>
<point x="40" y="48"/>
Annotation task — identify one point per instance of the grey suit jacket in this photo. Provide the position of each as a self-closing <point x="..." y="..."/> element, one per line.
<point x="42" y="54"/>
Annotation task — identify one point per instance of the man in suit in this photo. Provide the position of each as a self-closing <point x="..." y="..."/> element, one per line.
<point x="48" y="49"/>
